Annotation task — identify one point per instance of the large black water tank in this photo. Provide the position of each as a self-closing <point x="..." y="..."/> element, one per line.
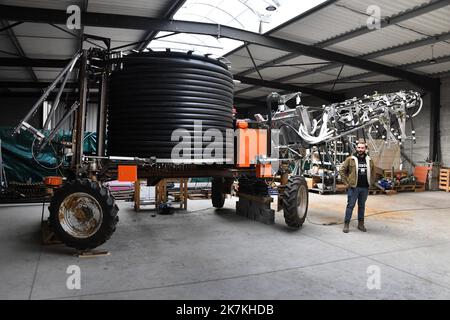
<point x="156" y="93"/>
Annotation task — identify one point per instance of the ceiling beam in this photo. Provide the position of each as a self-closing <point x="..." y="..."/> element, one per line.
<point x="401" y="17"/>
<point x="60" y="63"/>
<point x="56" y="63"/>
<point x="443" y="74"/>
<point x="169" y="12"/>
<point x="412" y="65"/>
<point x="372" y="74"/>
<point x="372" y="55"/>
<point x="329" y="96"/>
<point x="93" y="96"/>
<point x="389" y="21"/>
<point x="253" y="102"/>
<point x="141" y="23"/>
<point x="291" y="21"/>
<point x="32" y="85"/>
<point x="18" y="47"/>
<point x="10" y="26"/>
<point x="28" y="62"/>
<point x="361" y="76"/>
<point x="84" y="8"/>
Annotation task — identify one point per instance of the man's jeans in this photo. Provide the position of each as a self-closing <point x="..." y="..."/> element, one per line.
<point x="354" y="194"/>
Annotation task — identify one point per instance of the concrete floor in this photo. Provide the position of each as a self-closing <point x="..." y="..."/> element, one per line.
<point x="209" y="254"/>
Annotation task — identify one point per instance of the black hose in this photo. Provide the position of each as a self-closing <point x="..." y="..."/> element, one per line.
<point x="157" y="93"/>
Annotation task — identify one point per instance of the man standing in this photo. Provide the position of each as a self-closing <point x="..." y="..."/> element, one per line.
<point x="357" y="172"/>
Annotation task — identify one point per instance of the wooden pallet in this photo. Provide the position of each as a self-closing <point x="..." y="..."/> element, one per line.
<point x="376" y="191"/>
<point x="444" y="179"/>
<point x="199" y="196"/>
<point x="397" y="189"/>
<point x="161" y="194"/>
<point x="405" y="187"/>
<point x="420" y="187"/>
<point x="92" y="254"/>
<point x="388" y="173"/>
<point x="379" y="191"/>
<point x="123" y="195"/>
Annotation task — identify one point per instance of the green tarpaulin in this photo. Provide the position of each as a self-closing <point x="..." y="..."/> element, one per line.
<point x="18" y="160"/>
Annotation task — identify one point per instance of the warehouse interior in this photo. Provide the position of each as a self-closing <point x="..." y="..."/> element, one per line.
<point x="175" y="239"/>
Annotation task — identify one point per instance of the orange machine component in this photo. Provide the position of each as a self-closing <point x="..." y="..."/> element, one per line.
<point x="242" y="124"/>
<point x="264" y="170"/>
<point x="127" y="173"/>
<point x="421" y="173"/>
<point x="53" y="181"/>
<point x="250" y="144"/>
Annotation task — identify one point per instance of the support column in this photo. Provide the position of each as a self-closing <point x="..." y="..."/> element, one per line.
<point x="80" y="117"/>
<point x="101" y="122"/>
<point x="435" y="117"/>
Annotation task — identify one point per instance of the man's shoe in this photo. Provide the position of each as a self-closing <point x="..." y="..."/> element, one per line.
<point x="361" y="226"/>
<point x="346" y="227"/>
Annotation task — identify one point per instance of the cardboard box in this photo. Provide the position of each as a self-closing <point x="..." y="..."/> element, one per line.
<point x="312" y="182"/>
<point x="379" y="173"/>
<point x="309" y="182"/>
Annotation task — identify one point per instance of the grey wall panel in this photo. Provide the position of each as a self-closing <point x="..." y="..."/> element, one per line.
<point x="12" y="111"/>
<point x="445" y="121"/>
<point x="91" y="117"/>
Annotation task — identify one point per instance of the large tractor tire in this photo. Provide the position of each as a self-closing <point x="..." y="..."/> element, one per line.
<point x="295" y="202"/>
<point x="218" y="192"/>
<point x="83" y="214"/>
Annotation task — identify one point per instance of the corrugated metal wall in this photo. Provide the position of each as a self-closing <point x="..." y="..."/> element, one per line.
<point x="14" y="109"/>
<point x="445" y="121"/>
<point x="91" y="117"/>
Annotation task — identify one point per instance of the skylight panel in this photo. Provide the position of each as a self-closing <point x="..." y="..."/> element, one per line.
<point x="258" y="16"/>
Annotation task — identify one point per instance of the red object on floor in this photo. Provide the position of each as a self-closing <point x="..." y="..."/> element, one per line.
<point x="421" y="173"/>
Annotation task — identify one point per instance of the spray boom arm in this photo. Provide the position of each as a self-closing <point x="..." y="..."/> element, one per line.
<point x="378" y="116"/>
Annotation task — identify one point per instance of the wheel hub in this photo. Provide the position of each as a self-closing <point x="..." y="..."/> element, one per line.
<point x="301" y="203"/>
<point x="80" y="215"/>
